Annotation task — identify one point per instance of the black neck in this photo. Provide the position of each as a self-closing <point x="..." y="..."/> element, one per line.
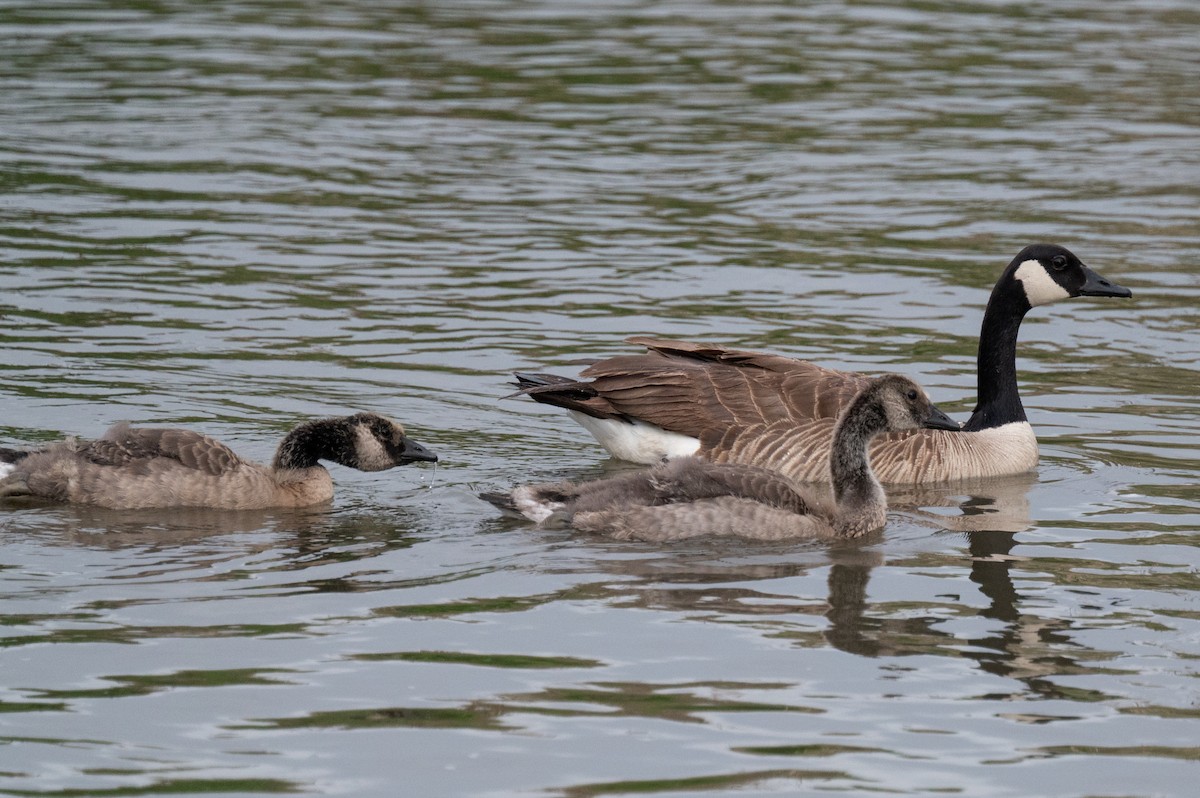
<point x="998" y="401"/>
<point x="313" y="441"/>
<point x="849" y="462"/>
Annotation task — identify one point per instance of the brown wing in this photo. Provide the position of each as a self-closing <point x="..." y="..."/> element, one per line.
<point x="799" y="450"/>
<point x="693" y="388"/>
<point x="693" y="479"/>
<point x="124" y="445"/>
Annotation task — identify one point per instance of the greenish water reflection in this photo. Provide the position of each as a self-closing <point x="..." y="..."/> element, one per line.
<point x="236" y="216"/>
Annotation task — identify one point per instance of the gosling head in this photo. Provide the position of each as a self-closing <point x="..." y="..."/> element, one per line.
<point x="380" y="444"/>
<point x="1048" y="273"/>
<point x="905" y="405"/>
<point x="366" y="441"/>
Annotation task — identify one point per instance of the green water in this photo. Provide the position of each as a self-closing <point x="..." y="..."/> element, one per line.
<point x="234" y="216"/>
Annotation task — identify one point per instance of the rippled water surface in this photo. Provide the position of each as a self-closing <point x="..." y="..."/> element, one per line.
<point x="234" y="216"/>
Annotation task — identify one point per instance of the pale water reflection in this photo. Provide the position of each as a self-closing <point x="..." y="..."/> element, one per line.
<point x="234" y="216"/>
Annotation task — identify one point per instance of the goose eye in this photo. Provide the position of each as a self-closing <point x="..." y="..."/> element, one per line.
<point x="1059" y="262"/>
<point x="912" y="394"/>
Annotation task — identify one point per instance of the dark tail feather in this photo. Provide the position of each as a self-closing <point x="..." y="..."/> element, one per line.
<point x="502" y="502"/>
<point x="527" y="379"/>
<point x="550" y="389"/>
<point x="12" y="455"/>
<point x="531" y="384"/>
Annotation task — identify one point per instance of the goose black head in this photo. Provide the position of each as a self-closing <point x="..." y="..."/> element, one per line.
<point x="1048" y="273"/>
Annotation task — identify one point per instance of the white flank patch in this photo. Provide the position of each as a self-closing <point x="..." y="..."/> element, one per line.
<point x="6" y="469"/>
<point x="531" y="507"/>
<point x="1040" y="288"/>
<point x="1010" y="448"/>
<point x="637" y="442"/>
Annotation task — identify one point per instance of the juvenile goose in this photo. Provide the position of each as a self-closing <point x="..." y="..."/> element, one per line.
<point x="777" y="412"/>
<point x="690" y="497"/>
<point x="135" y="468"/>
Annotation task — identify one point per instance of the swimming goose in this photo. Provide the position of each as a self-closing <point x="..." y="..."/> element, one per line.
<point x="729" y="405"/>
<point x="135" y="468"/>
<point x="690" y="497"/>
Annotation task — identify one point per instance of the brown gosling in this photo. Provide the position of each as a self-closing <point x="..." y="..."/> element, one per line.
<point x="133" y="468"/>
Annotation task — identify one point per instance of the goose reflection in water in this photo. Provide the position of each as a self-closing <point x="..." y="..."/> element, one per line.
<point x="718" y="580"/>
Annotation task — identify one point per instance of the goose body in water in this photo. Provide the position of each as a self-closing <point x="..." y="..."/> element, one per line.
<point x="137" y="468"/>
<point x="690" y="497"/>
<point x="728" y="405"/>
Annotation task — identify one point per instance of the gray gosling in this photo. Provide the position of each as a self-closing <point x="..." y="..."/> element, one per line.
<point x="689" y="497"/>
<point x="132" y="468"/>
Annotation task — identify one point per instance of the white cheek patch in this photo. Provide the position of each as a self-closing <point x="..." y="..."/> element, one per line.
<point x="371" y="454"/>
<point x="6" y="469"/>
<point x="1040" y="288"/>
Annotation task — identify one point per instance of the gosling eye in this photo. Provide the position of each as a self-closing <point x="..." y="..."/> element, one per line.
<point x="1058" y="262"/>
<point x="912" y="394"/>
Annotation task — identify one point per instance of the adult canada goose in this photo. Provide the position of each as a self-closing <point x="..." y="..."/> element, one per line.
<point x="691" y="497"/>
<point x="728" y="405"/>
<point x="135" y="468"/>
